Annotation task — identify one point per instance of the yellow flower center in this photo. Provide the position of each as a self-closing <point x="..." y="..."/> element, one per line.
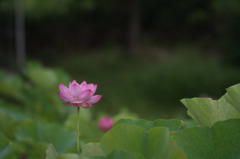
<point x="77" y="101"/>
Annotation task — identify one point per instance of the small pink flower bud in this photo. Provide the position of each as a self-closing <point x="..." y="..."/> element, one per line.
<point x="105" y="123"/>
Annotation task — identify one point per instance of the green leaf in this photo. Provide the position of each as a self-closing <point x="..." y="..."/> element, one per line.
<point x="233" y="96"/>
<point x="69" y="156"/>
<point x="7" y="125"/>
<point x="42" y="77"/>
<point x="207" y="111"/>
<point x="62" y="138"/>
<point x="190" y="123"/>
<point x="221" y="141"/>
<point x="173" y="124"/>
<point x="152" y="143"/>
<point x="125" y="137"/>
<point x="11" y="87"/>
<point x="5" y="148"/>
<point x="161" y="146"/>
<point x="92" y="149"/>
<point x="118" y="154"/>
<point x="51" y="153"/>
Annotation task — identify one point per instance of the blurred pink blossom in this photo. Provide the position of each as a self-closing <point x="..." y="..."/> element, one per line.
<point x="79" y="95"/>
<point x="105" y="123"/>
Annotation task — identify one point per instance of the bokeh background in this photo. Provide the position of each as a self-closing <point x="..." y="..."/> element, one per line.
<point x="145" y="55"/>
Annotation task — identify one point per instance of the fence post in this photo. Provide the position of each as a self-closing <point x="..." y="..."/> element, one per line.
<point x="20" y="35"/>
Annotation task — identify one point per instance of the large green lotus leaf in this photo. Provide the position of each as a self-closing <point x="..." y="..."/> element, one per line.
<point x="28" y="149"/>
<point x="221" y="141"/>
<point x="5" y="148"/>
<point x="62" y="138"/>
<point x="190" y="123"/>
<point x="42" y="77"/>
<point x="7" y="125"/>
<point x="233" y="96"/>
<point x="125" y="137"/>
<point x="92" y="149"/>
<point x="207" y="111"/>
<point x="118" y="154"/>
<point x="11" y="87"/>
<point x="173" y="124"/>
<point x="51" y="153"/>
<point x="154" y="143"/>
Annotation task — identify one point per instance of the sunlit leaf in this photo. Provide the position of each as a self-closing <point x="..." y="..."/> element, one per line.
<point x="92" y="149"/>
<point x="51" y="153"/>
<point x="207" y="111"/>
<point x="233" y="96"/>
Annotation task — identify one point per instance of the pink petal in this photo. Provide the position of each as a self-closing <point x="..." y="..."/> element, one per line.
<point x="77" y="104"/>
<point x="66" y="96"/>
<point x="73" y="82"/>
<point x="83" y="83"/>
<point x="63" y="88"/>
<point x="74" y="104"/>
<point x="74" y="89"/>
<point x="85" y="95"/>
<point x="68" y="103"/>
<point x="92" y="87"/>
<point x="95" y="99"/>
<point x="84" y="86"/>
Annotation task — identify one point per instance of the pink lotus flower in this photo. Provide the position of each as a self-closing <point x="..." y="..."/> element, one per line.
<point x="79" y="95"/>
<point x="105" y="123"/>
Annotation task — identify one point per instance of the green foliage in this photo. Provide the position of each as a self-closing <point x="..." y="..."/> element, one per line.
<point x="36" y="133"/>
<point x="118" y="154"/>
<point x="232" y="96"/>
<point x="48" y="133"/>
<point x="136" y="137"/>
<point x="87" y="128"/>
<point x="7" y="125"/>
<point x="11" y="86"/>
<point x="37" y="94"/>
<point x="52" y="154"/>
<point x="6" y="151"/>
<point x="207" y="111"/>
<point x="173" y="124"/>
<point x="221" y="141"/>
<point x="92" y="149"/>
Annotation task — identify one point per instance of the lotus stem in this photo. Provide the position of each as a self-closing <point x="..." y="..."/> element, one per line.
<point x="78" y="128"/>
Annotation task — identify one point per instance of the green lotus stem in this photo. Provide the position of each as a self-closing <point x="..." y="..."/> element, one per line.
<point x="78" y="129"/>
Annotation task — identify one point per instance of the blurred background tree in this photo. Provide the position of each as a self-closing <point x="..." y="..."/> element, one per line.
<point x="88" y="24"/>
<point x="144" y="54"/>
